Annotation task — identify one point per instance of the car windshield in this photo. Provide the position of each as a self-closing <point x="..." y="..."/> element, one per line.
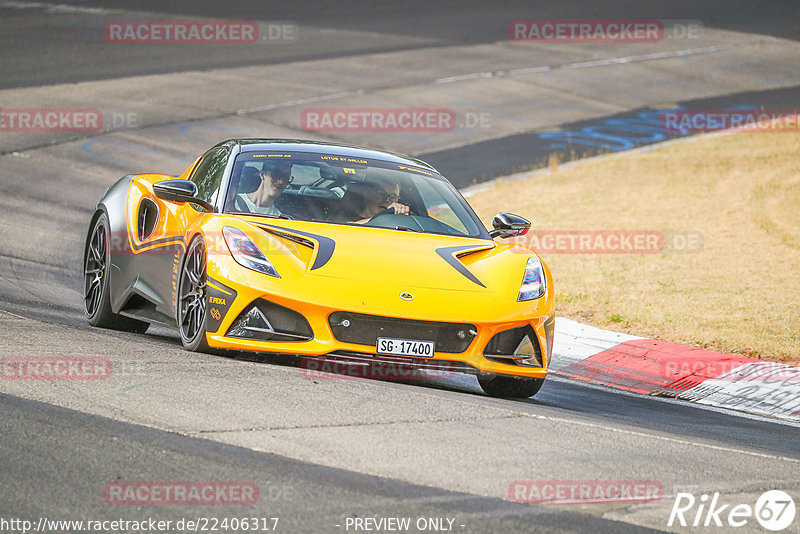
<point x="348" y="190"/>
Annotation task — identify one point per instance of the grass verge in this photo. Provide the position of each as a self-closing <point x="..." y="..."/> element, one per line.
<point x="740" y="193"/>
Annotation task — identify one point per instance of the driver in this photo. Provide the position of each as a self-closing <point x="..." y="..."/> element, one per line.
<point x="274" y="178"/>
<point x="365" y="200"/>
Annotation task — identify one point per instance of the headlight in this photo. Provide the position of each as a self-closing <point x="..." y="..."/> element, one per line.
<point x="533" y="283"/>
<point x="246" y="253"/>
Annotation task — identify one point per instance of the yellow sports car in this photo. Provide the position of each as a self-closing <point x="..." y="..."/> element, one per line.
<point x="324" y="251"/>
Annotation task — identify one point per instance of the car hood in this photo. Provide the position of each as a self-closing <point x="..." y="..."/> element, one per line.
<point x="386" y="256"/>
<point x="391" y="272"/>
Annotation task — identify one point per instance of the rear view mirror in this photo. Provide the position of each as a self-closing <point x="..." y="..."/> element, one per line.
<point x="180" y="191"/>
<point x="509" y="225"/>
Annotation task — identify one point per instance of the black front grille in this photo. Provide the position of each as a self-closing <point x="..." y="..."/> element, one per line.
<point x="366" y="329"/>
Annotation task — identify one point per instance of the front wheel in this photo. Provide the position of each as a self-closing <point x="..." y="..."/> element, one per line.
<point x="192" y="297"/>
<point x="509" y="387"/>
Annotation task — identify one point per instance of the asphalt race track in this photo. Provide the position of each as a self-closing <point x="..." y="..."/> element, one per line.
<point x="326" y="449"/>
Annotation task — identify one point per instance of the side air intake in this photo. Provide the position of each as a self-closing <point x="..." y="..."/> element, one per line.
<point x="266" y="321"/>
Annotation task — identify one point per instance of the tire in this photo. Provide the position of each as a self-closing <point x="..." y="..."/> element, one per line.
<point x="509" y="387"/>
<point x="191" y="309"/>
<point x="96" y="275"/>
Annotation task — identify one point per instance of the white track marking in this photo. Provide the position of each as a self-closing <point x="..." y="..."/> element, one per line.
<point x="56" y="8"/>
<point x="591" y="64"/>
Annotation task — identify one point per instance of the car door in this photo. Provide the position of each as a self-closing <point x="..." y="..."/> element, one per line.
<point x="160" y="226"/>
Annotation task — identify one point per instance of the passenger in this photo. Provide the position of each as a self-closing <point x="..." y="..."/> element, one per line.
<point x="271" y="182"/>
<point x="365" y="200"/>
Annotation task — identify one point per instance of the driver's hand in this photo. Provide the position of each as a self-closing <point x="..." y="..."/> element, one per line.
<point x="399" y="209"/>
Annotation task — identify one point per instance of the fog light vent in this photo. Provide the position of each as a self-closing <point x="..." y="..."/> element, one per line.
<point x="517" y="346"/>
<point x="266" y="321"/>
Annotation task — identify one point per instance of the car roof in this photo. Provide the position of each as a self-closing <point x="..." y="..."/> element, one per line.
<point x="321" y="147"/>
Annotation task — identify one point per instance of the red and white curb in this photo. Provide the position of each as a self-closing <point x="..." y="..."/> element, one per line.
<point x="664" y="369"/>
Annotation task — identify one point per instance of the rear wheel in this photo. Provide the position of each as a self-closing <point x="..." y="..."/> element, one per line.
<point x="510" y="387"/>
<point x="192" y="297"/>
<point x="96" y="273"/>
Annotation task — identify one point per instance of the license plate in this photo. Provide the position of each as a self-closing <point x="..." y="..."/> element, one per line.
<point x="405" y="347"/>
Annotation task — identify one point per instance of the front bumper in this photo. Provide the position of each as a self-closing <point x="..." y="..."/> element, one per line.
<point x="323" y="342"/>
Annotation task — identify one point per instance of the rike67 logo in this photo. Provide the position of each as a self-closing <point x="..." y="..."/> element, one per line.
<point x="774" y="510"/>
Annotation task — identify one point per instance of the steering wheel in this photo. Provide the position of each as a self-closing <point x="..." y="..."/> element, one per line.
<point x="387" y="211"/>
<point x="390" y="219"/>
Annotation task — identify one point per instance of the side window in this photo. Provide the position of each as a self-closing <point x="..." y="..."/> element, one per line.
<point x="208" y="174"/>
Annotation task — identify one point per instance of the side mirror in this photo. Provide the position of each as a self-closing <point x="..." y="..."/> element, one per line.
<point x="509" y="225"/>
<point x="180" y="191"/>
